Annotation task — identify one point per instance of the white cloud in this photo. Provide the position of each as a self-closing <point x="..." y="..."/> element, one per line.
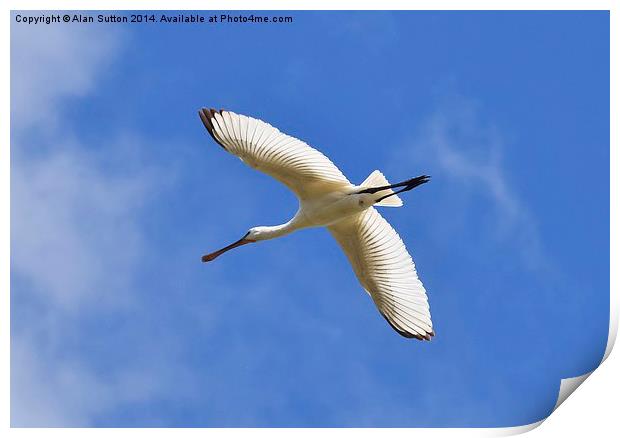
<point x="74" y="228"/>
<point x="48" y="390"/>
<point x="76" y="235"/>
<point x="51" y="63"/>
<point x="465" y="153"/>
<point x="63" y="205"/>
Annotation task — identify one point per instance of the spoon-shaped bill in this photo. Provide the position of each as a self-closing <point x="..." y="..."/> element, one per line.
<point x="214" y="255"/>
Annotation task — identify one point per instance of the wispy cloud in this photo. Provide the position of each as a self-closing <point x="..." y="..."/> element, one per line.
<point x="76" y="238"/>
<point x="52" y="63"/>
<point x="49" y="390"/>
<point x="465" y="152"/>
<point x="74" y="229"/>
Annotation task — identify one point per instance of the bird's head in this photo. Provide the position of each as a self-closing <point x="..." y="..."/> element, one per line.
<point x="257" y="233"/>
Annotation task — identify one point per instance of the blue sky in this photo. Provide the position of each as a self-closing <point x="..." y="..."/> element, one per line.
<point x="117" y="190"/>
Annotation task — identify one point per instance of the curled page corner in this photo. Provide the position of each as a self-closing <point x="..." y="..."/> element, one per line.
<point x="567" y="385"/>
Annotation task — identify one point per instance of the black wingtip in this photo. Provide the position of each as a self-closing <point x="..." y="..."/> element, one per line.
<point x="207" y="116"/>
<point x="427" y="336"/>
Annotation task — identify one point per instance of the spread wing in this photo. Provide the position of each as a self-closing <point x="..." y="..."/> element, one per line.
<point x="303" y="169"/>
<point x="387" y="272"/>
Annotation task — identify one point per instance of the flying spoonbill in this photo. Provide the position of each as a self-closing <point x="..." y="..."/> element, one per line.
<point x="327" y="199"/>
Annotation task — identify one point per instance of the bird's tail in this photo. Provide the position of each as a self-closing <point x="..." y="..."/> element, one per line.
<point x="376" y="179"/>
<point x="377" y="183"/>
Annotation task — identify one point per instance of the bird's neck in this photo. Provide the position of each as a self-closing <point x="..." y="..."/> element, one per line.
<point x="271" y="232"/>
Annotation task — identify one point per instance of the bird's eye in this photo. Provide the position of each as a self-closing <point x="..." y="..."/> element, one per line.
<point x="361" y="202"/>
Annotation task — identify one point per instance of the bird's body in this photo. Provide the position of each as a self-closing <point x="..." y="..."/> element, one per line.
<point x="330" y="208"/>
<point x="327" y="199"/>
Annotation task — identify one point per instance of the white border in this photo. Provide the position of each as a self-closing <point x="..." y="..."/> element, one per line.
<point x="589" y="404"/>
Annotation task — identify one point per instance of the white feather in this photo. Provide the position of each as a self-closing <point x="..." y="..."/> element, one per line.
<point x="306" y="171"/>
<point x="376" y="179"/>
<point x="387" y="272"/>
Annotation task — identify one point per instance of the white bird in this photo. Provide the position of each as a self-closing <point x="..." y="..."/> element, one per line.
<point x="327" y="198"/>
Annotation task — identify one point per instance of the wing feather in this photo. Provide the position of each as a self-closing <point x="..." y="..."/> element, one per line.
<point x="303" y="169"/>
<point x="387" y="272"/>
